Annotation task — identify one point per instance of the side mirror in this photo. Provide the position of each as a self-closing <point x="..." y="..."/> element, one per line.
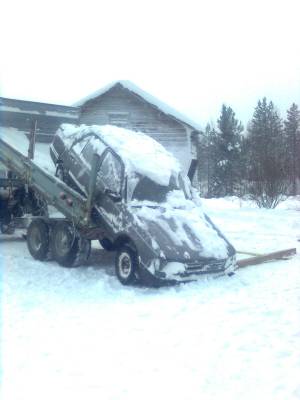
<point x="114" y="196"/>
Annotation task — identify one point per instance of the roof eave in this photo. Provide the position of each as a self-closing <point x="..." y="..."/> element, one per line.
<point x="145" y="97"/>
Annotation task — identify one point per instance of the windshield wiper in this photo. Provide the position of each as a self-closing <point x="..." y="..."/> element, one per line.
<point x="154" y="207"/>
<point x="143" y="205"/>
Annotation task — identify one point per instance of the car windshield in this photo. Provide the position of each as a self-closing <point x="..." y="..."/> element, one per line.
<point x="147" y="190"/>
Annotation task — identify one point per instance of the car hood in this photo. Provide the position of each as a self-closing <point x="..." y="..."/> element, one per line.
<point x="183" y="234"/>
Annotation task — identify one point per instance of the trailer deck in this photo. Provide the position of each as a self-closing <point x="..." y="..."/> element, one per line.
<point x="66" y="200"/>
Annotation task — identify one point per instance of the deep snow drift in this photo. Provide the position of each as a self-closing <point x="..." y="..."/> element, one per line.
<point x="79" y="333"/>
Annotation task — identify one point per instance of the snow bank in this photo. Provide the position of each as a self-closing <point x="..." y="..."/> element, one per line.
<point x="254" y="229"/>
<point x="140" y="153"/>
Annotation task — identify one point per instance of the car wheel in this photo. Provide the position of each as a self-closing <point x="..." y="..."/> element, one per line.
<point x="38" y="239"/>
<point x="107" y="244"/>
<point x="126" y="265"/>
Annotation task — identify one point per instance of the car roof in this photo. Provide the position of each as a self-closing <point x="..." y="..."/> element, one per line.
<point x="140" y="153"/>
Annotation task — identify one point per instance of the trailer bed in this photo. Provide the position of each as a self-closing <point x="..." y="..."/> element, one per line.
<point x="39" y="174"/>
<point x="19" y="141"/>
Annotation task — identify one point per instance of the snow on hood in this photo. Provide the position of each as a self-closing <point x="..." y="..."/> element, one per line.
<point x="182" y="222"/>
<point x="139" y="152"/>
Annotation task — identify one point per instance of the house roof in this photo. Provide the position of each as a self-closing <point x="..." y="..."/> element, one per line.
<point x="165" y="108"/>
<point x="34" y="107"/>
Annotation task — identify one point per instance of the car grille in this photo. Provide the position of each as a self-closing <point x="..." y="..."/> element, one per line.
<point x="205" y="266"/>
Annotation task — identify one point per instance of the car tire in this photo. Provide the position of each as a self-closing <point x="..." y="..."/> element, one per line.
<point x="107" y="244"/>
<point x="126" y="265"/>
<point x="38" y="239"/>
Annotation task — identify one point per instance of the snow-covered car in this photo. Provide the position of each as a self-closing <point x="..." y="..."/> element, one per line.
<point x="148" y="211"/>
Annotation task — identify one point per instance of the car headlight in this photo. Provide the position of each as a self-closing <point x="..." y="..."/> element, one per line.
<point x="157" y="264"/>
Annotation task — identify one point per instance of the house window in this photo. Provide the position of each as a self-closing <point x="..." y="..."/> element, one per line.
<point x="118" y="118"/>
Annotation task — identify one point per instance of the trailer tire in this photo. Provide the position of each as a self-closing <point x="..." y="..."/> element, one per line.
<point x="7" y="229"/>
<point x="38" y="239"/>
<point x="84" y="251"/>
<point x="64" y="244"/>
<point x="67" y="247"/>
<point x="126" y="265"/>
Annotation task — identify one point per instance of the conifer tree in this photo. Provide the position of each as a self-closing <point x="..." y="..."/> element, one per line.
<point x="266" y="155"/>
<point x="206" y="160"/>
<point x="227" y="144"/>
<point x="292" y="137"/>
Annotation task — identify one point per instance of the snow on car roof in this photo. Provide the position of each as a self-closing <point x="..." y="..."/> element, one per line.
<point x="165" y="108"/>
<point x="139" y="152"/>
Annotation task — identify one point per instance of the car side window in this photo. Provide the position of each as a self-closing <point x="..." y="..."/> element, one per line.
<point x="111" y="172"/>
<point x="80" y="145"/>
<point x="93" y="146"/>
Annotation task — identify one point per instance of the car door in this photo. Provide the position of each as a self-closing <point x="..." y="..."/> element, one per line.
<point x="94" y="145"/>
<point x="110" y="181"/>
<point x="74" y="162"/>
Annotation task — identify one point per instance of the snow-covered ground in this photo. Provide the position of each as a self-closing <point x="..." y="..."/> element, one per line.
<point x="79" y="333"/>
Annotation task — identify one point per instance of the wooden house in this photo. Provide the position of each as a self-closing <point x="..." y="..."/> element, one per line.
<point x="120" y="103"/>
<point x="124" y="104"/>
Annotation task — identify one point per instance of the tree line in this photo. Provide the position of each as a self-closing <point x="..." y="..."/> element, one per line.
<point x="261" y="161"/>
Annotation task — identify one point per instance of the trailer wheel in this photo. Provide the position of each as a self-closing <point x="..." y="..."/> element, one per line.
<point x="68" y="248"/>
<point x="126" y="265"/>
<point x="7" y="229"/>
<point x="84" y="251"/>
<point x="64" y="244"/>
<point x="38" y="239"/>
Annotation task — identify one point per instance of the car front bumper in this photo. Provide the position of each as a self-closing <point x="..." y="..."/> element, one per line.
<point x="192" y="271"/>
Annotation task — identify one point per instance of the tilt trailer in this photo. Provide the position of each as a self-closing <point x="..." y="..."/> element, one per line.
<point x="67" y="238"/>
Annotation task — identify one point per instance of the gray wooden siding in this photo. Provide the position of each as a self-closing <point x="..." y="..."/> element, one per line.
<point x="141" y="116"/>
<point x="22" y="115"/>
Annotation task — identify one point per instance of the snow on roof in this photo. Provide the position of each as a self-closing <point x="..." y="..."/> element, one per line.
<point x="34" y="107"/>
<point x="139" y="152"/>
<point x="165" y="108"/>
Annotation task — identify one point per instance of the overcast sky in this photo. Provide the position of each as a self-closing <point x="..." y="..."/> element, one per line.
<point x="194" y="55"/>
